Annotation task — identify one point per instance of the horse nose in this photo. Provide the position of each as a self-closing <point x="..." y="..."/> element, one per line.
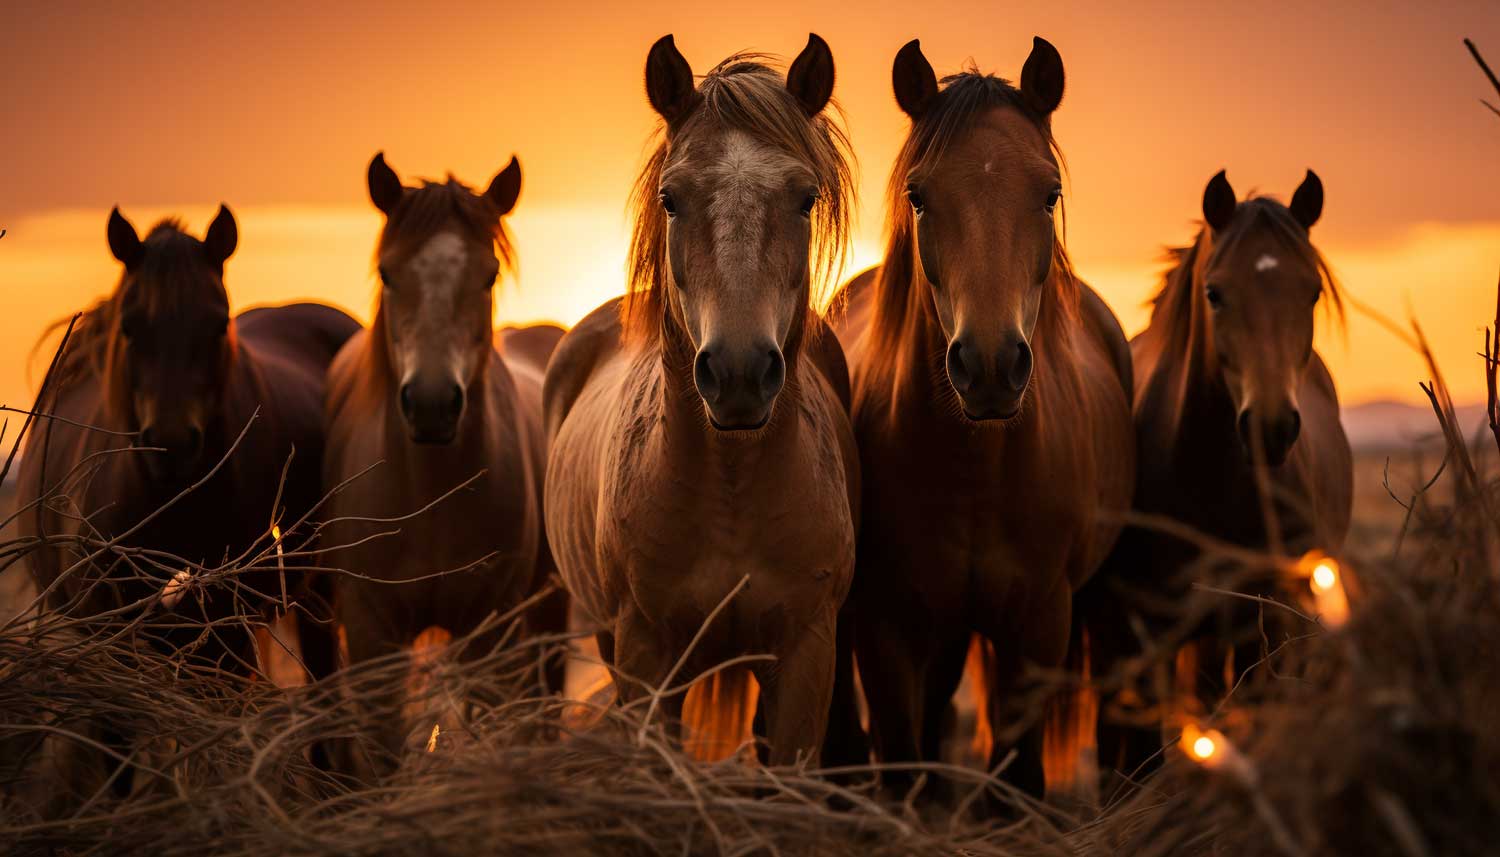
<point x="739" y="385"/>
<point x="185" y="442"/>
<point x="431" y="408"/>
<point x="1279" y="434"/>
<point x="990" y="385"/>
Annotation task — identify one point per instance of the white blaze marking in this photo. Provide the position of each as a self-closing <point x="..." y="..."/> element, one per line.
<point x="440" y="263"/>
<point x="1266" y="262"/>
<point x="746" y="174"/>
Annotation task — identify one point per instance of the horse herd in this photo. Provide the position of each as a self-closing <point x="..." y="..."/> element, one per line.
<point x="950" y="453"/>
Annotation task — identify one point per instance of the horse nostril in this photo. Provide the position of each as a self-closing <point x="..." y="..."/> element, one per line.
<point x="1020" y="369"/>
<point x="958" y="370"/>
<point x="1294" y="428"/>
<point x="774" y="374"/>
<point x="406" y="404"/>
<point x="1244" y="426"/>
<point x="194" y="439"/>
<point x="706" y="376"/>
<point x="148" y="437"/>
<point x="455" y="401"/>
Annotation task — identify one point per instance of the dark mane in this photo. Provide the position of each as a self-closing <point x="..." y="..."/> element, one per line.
<point x="1179" y="309"/>
<point x="961" y="102"/>
<point x="426" y="209"/>
<point x="173" y="265"/>
<point x="745" y="94"/>
<point x="1173" y="305"/>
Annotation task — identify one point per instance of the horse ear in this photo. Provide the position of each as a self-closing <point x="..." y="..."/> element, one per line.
<point x="222" y="237"/>
<point x="385" y="185"/>
<point x="1307" y="202"/>
<point x="505" y="187"/>
<point x="1218" y="202"/>
<point x="669" y="81"/>
<point x="1042" y="77"/>
<point x="913" y="79"/>
<point x="123" y="242"/>
<point x="811" y="76"/>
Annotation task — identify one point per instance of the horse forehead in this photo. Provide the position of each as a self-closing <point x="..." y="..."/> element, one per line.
<point x="440" y="259"/>
<point x="741" y="163"/>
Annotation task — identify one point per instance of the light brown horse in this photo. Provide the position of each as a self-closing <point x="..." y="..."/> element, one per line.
<point x="991" y="406"/>
<point x="425" y="395"/>
<point x="1227" y="383"/>
<point x="161" y="365"/>
<point x="703" y="436"/>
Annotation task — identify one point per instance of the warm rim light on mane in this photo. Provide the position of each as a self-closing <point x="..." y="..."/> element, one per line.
<point x="1180" y="298"/>
<point x="899" y="300"/>
<point x="743" y="93"/>
<point x="1179" y="309"/>
<point x="429" y="207"/>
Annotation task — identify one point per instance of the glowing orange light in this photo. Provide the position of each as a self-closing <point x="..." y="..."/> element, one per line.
<point x="1324" y="576"/>
<point x="1203" y="748"/>
<point x="433" y="738"/>
<point x="1325" y="579"/>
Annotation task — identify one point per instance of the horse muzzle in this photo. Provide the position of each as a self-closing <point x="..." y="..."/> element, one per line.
<point x="1277" y="436"/>
<point x="431" y="409"/>
<point x="739" y="387"/>
<point x="990" y="383"/>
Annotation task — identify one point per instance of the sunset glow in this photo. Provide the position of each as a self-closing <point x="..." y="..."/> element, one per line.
<point x="164" y="115"/>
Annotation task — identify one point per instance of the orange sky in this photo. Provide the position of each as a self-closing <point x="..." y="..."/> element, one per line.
<point x="170" y="108"/>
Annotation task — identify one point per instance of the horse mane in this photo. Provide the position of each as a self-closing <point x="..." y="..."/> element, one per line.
<point x="743" y="93"/>
<point x="1179" y="309"/>
<point x="172" y="262"/>
<point x="899" y="300"/>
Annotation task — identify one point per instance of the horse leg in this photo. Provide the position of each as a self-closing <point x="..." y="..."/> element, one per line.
<point x="795" y="693"/>
<point x="377" y="699"/>
<point x="640" y="666"/>
<point x="1039" y="638"/>
<point x="845" y="743"/>
<point x="943" y="677"/>
<point x="891" y="666"/>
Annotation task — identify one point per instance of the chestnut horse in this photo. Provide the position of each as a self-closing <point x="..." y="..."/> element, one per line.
<point x="161" y="364"/>
<point x="1227" y="384"/>
<point x="699" y="430"/>
<point x="426" y="396"/>
<point x="991" y="406"/>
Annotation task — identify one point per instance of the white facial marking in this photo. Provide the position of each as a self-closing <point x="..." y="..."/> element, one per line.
<point x="1266" y="262"/>
<point x="747" y="172"/>
<point x="989" y="166"/>
<point x="439" y="265"/>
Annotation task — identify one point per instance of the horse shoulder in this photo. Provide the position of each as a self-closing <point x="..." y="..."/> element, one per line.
<point x="574" y="360"/>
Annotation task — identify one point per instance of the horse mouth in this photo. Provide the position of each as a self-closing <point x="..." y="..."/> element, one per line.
<point x="992" y="415"/>
<point x="740" y="427"/>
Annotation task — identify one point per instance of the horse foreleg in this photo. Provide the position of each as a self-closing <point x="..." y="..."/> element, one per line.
<point x="795" y="692"/>
<point x="891" y="664"/>
<point x="845" y="742"/>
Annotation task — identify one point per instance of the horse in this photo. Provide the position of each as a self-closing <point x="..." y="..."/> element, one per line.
<point x="699" y="431"/>
<point x="992" y="409"/>
<point x="427" y="400"/>
<point x="1230" y="394"/>
<point x="173" y="435"/>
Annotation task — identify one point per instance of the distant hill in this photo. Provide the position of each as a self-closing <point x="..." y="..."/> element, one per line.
<point x="1387" y="425"/>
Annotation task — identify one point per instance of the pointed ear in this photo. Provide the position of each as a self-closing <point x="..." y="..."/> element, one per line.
<point x="123" y="242"/>
<point x="1042" y="77"/>
<point x="222" y="237"/>
<point x="811" y="76"/>
<point x="385" y="185"/>
<point x="1307" y="202"/>
<point x="669" y="81"/>
<point x="1218" y="202"/>
<point x="913" y="79"/>
<point x="505" y="187"/>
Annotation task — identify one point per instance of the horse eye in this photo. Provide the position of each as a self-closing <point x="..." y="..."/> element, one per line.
<point x="1215" y="300"/>
<point x="385" y="279"/>
<point x="1053" y="199"/>
<point x="914" y="196"/>
<point x="129" y="328"/>
<point x="808" y="203"/>
<point x="668" y="204"/>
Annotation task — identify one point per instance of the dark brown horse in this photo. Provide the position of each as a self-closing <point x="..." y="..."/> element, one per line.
<point x="991" y="405"/>
<point x="426" y="395"/>
<point x="161" y="365"/>
<point x="704" y="437"/>
<point x="1228" y="386"/>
